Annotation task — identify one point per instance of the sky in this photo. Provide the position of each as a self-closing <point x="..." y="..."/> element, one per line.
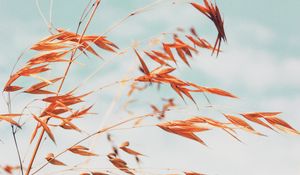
<point x="259" y="63"/>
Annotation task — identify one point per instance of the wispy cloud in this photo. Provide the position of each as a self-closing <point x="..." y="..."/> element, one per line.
<point x="263" y="80"/>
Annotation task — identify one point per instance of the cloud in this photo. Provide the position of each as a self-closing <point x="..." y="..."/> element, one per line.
<point x="264" y="80"/>
<point x="256" y="70"/>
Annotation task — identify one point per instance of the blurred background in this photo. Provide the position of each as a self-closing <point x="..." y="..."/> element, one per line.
<point x="260" y="64"/>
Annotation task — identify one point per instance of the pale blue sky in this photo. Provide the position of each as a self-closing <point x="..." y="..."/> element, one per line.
<point x="260" y="63"/>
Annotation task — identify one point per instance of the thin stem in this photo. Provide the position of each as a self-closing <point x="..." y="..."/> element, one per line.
<point x="18" y="59"/>
<point x="135" y="12"/>
<point x="73" y="53"/>
<point x="113" y="83"/>
<point x="91" y="76"/>
<point x="17" y="148"/>
<point x="94" y="134"/>
<point x="50" y="14"/>
<point x="140" y="10"/>
<point x="35" y="151"/>
<point x="60" y="87"/>
<point x="84" y="14"/>
<point x="43" y="16"/>
<point x="14" y="136"/>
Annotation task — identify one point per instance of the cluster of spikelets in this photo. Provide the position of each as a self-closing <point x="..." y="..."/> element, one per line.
<point x="62" y="47"/>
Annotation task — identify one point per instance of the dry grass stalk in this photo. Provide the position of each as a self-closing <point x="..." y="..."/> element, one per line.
<point x="62" y="47"/>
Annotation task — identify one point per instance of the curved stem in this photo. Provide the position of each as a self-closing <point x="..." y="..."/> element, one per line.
<point x="94" y="134"/>
<point x="112" y="27"/>
<point x="135" y="12"/>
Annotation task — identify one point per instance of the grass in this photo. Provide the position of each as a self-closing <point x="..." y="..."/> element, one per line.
<point x="56" y="104"/>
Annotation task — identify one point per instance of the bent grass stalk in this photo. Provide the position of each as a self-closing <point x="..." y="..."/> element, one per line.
<point x="94" y="134"/>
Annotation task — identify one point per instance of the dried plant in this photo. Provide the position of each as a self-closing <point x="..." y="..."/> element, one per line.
<point x="62" y="106"/>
